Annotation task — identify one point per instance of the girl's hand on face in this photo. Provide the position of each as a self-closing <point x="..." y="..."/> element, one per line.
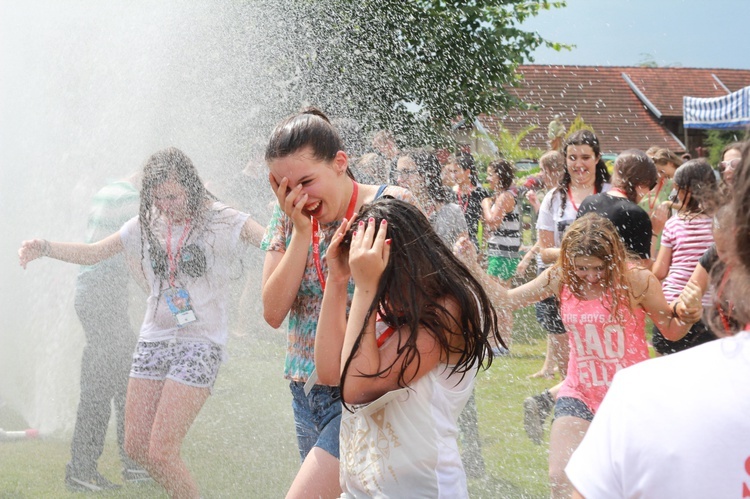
<point x="369" y="253"/>
<point x="338" y="263"/>
<point x="31" y="250"/>
<point x="292" y="202"/>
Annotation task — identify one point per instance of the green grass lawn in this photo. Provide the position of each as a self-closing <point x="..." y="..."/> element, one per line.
<point x="243" y="445"/>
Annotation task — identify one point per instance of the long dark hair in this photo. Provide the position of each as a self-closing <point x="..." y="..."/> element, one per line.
<point x="697" y="178"/>
<point x="580" y="138"/>
<point x="170" y="164"/>
<point x="420" y="271"/>
<point x="308" y="128"/>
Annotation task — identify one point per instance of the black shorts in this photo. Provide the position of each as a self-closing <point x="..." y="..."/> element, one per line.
<point x="697" y="335"/>
<point x="548" y="315"/>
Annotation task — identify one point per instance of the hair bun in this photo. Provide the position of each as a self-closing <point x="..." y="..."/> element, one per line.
<point x="315" y="112"/>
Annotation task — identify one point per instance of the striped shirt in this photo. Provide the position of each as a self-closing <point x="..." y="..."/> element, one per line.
<point x="688" y="239"/>
<point x="505" y="241"/>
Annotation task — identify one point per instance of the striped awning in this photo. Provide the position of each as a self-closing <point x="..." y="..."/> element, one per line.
<point x="729" y="111"/>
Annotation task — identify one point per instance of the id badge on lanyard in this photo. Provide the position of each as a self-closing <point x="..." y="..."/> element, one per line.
<point x="178" y="299"/>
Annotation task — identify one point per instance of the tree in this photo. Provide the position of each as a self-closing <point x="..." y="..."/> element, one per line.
<point x="716" y="140"/>
<point x="509" y="145"/>
<point x="411" y="66"/>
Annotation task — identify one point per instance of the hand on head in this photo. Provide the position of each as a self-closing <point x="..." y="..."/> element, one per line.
<point x="338" y="261"/>
<point x="369" y="253"/>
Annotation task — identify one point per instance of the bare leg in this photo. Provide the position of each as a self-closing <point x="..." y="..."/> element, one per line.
<point x="317" y="478"/>
<point x="548" y="369"/>
<point x="178" y="407"/>
<point x="560" y="352"/>
<point x="565" y="437"/>
<point x="141" y="403"/>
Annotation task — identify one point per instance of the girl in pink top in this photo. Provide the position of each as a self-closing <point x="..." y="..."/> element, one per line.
<point x="603" y="305"/>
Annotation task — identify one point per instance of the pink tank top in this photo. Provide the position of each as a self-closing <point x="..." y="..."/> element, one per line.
<point x="599" y="346"/>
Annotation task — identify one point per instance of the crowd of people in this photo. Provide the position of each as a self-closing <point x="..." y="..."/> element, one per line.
<point x="396" y="274"/>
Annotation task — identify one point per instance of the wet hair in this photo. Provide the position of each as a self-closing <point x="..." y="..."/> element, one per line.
<point x="595" y="236"/>
<point x="634" y="168"/>
<point x="505" y="172"/>
<point x="311" y="129"/>
<point x="697" y="178"/>
<point x="662" y="156"/>
<point x="172" y="164"/>
<point x="465" y="161"/>
<point x="581" y="138"/>
<point x="431" y="171"/>
<point x="421" y="270"/>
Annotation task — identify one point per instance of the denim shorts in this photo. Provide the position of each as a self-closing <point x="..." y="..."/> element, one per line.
<point x="570" y="406"/>
<point x="317" y="417"/>
<point x="548" y="316"/>
<point x="192" y="363"/>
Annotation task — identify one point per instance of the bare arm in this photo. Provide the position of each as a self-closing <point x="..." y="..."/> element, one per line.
<point x="526" y="260"/>
<point x="252" y="232"/>
<point x="329" y="336"/>
<point x="494" y="210"/>
<point x="662" y="263"/>
<point x="648" y="293"/>
<point x="700" y="278"/>
<point x="543" y="286"/>
<point x="283" y="271"/>
<point x="549" y="253"/>
<point x="282" y="277"/>
<point x="533" y="200"/>
<point x="78" y="253"/>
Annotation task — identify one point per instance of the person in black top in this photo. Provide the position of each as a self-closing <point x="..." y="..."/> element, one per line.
<point x="634" y="175"/>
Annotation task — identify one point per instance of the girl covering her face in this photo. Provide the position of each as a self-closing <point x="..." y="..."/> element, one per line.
<point x="406" y="356"/>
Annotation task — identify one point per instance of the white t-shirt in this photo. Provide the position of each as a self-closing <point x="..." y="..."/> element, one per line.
<point x="551" y="218"/>
<point x="219" y="241"/>
<point x="675" y="426"/>
<point x="404" y="444"/>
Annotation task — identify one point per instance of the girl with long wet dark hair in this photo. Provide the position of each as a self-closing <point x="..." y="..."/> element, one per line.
<point x="186" y="246"/>
<point x="406" y="356"/>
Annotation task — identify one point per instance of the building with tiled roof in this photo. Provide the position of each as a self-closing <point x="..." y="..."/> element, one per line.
<point x="628" y="107"/>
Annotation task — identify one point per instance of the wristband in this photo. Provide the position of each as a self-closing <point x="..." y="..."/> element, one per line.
<point x="45" y="247"/>
<point x="674" y="309"/>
